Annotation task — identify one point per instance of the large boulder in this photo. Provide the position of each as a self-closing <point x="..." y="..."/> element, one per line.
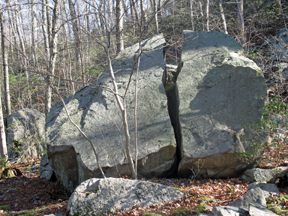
<point x="26" y="133"/>
<point x="106" y="196"/>
<point x="220" y="91"/>
<point x="95" y="110"/>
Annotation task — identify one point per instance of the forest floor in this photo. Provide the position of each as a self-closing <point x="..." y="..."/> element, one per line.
<point x="28" y="194"/>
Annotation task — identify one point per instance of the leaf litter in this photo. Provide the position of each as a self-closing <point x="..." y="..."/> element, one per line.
<point x="30" y="195"/>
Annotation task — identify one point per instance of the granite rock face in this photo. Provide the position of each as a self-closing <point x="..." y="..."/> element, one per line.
<point x="106" y="196"/>
<point x="96" y="111"/>
<point x="219" y="91"/>
<point x="25" y="133"/>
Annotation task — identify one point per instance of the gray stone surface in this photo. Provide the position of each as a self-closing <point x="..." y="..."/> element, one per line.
<point x="46" y="170"/>
<point x="228" y="211"/>
<point x="266" y="187"/>
<point x="103" y="196"/>
<point x="256" y="195"/>
<point x="26" y="133"/>
<point x="219" y="90"/>
<point x="264" y="175"/>
<point x="258" y="210"/>
<point x="96" y="112"/>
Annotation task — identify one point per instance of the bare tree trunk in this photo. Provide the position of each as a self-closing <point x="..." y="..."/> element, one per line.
<point x="240" y="6"/>
<point x="132" y="16"/>
<point x="207" y="15"/>
<point x="13" y="32"/>
<point x="46" y="32"/>
<point x="122" y="107"/>
<point x="119" y="26"/>
<point x="53" y="55"/>
<point x="5" y="65"/>
<point x="3" y="144"/>
<point x="143" y="19"/>
<point x="202" y="15"/>
<point x="22" y="45"/>
<point x="223" y="16"/>
<point x="77" y="41"/>
<point x="156" y="16"/>
<point x="34" y="32"/>
<point x="191" y="13"/>
<point x="136" y="11"/>
<point x="101" y="14"/>
<point x="48" y="16"/>
<point x="109" y="13"/>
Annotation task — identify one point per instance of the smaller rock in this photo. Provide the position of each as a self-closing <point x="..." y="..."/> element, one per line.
<point x="228" y="211"/>
<point x="102" y="196"/>
<point x="268" y="188"/>
<point x="264" y="175"/>
<point x="256" y="195"/>
<point x="257" y="210"/>
<point x="46" y="171"/>
<point x="25" y="133"/>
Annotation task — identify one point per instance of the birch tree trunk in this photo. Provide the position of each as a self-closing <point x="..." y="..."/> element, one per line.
<point x="119" y="25"/>
<point x="207" y="15"/>
<point x="223" y="16"/>
<point x="156" y="16"/>
<point x="5" y="65"/>
<point x="3" y="144"/>
<point x="53" y="55"/>
<point x="202" y="15"/>
<point x="22" y="44"/>
<point x="191" y="14"/>
<point x="240" y="6"/>
<point x="34" y="32"/>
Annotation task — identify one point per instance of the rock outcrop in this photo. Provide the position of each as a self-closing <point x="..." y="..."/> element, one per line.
<point x="106" y="196"/>
<point x="96" y="111"/>
<point x="26" y="133"/>
<point x="219" y="91"/>
<point x="210" y="95"/>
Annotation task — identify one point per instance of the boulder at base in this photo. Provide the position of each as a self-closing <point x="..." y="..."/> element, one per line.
<point x="95" y="110"/>
<point x="26" y="133"/>
<point x="106" y="196"/>
<point x="220" y="91"/>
